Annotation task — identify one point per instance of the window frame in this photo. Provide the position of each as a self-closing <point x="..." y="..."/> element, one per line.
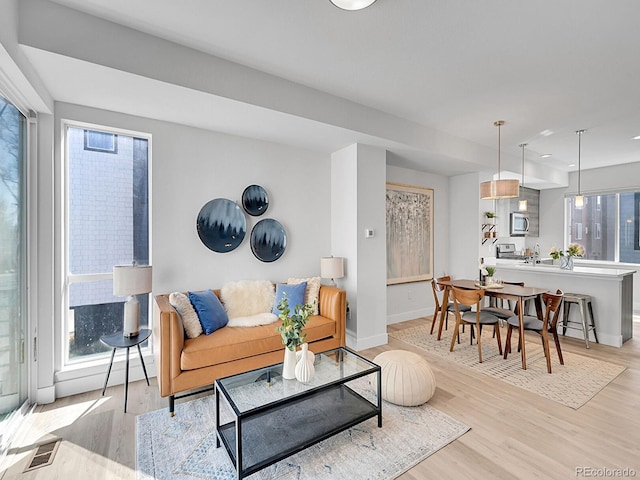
<point x="64" y="361"/>
<point x="567" y="227"/>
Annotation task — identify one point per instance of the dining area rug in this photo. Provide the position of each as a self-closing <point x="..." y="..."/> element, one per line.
<point x="572" y="384"/>
<point x="184" y="446"/>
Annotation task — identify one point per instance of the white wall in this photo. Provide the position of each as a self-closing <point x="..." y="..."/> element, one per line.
<point x="192" y="166"/>
<point x="412" y="300"/>
<point x="464" y="228"/>
<point x="358" y="203"/>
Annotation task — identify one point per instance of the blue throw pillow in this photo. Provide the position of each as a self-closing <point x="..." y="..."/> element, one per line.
<point x="210" y="311"/>
<point x="294" y="293"/>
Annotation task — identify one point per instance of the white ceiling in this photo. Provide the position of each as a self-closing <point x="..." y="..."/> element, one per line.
<point x="453" y="66"/>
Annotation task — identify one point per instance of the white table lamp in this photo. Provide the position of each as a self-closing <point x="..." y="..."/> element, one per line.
<point x="332" y="267"/>
<point x="129" y="281"/>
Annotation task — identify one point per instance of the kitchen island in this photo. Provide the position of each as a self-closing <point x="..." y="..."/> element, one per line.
<point x="611" y="291"/>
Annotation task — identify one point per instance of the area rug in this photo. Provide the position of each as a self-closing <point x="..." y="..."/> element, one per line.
<point x="184" y="446"/>
<point x="572" y="384"/>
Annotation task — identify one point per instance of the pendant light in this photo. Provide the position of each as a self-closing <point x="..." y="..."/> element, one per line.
<point x="352" y="4"/>
<point x="497" y="189"/>
<point x="579" y="200"/>
<point x="522" y="204"/>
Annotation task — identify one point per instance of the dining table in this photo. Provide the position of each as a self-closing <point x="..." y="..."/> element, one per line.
<point x="515" y="293"/>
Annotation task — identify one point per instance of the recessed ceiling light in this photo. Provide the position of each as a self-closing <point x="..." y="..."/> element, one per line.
<point x="637" y="137"/>
<point x="352" y="4"/>
<point x="572" y="164"/>
<point x="545" y="155"/>
<point x="546" y="133"/>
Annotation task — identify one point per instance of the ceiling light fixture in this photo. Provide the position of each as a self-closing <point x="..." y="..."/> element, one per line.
<point x="522" y="204"/>
<point x="352" y="4"/>
<point x="545" y="155"/>
<point x="497" y="189"/>
<point x="637" y="137"/>
<point x="579" y="201"/>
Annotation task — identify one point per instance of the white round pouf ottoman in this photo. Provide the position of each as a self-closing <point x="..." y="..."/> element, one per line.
<point x="407" y="378"/>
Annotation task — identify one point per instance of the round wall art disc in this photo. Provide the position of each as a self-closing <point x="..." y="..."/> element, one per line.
<point x="221" y="225"/>
<point x="255" y="200"/>
<point x="268" y="240"/>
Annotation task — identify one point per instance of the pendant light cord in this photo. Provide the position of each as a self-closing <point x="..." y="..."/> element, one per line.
<point x="498" y="123"/>
<point x="579" y="132"/>
<point x="523" y="145"/>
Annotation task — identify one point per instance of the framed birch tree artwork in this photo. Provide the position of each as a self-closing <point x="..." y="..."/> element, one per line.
<point x="409" y="234"/>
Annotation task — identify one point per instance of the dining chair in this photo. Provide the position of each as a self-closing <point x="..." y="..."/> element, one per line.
<point x="478" y="318"/>
<point x="438" y="288"/>
<point x="544" y="327"/>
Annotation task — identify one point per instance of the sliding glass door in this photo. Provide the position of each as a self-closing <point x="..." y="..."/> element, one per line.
<point x="13" y="364"/>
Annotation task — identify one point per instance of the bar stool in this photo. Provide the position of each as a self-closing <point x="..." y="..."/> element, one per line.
<point x="584" y="302"/>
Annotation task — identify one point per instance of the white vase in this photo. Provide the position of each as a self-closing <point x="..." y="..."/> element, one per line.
<point x="304" y="368"/>
<point x="289" y="365"/>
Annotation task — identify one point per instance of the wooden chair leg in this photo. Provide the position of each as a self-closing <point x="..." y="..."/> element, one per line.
<point x="479" y="341"/>
<point x="558" y="349"/>
<point x="435" y="319"/>
<point x="507" y="343"/>
<point x="496" y="332"/>
<point x="545" y="347"/>
<point x="456" y="332"/>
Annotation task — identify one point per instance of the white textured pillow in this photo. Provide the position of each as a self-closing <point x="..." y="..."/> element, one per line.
<point x="247" y="297"/>
<point x="312" y="292"/>
<point x="253" y="320"/>
<point x="190" y="319"/>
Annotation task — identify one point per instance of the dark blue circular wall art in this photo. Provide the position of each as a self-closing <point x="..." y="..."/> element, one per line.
<point x="221" y="225"/>
<point x="255" y="200"/>
<point x="268" y="240"/>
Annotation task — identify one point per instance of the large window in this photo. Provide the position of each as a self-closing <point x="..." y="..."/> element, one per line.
<point x="13" y="283"/>
<point x="607" y="226"/>
<point x="107" y="224"/>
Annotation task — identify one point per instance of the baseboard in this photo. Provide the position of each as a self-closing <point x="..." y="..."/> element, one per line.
<point x="95" y="381"/>
<point x="358" y="344"/>
<point x="45" y="395"/>
<point x="404" y="316"/>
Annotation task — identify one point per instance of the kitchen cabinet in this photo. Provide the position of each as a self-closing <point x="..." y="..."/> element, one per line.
<point x="505" y="207"/>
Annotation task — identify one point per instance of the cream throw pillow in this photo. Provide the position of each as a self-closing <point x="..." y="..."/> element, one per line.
<point x="312" y="293"/>
<point x="247" y="297"/>
<point x="190" y="319"/>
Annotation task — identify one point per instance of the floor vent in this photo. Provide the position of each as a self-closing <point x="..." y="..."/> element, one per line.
<point x="43" y="456"/>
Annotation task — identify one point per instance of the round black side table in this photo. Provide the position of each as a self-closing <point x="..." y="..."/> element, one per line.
<point x="118" y="340"/>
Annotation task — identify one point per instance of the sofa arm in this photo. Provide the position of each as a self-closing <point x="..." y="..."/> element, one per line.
<point x="168" y="337"/>
<point x="333" y="305"/>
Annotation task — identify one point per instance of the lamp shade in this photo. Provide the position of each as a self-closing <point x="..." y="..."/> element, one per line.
<point x="131" y="280"/>
<point x="352" y="4"/>
<point x="332" y="267"/>
<point x="497" y="189"/>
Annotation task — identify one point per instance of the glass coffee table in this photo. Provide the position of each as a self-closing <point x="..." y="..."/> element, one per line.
<point x="272" y="418"/>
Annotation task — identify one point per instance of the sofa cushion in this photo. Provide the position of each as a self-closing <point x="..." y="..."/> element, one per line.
<point x="294" y="293"/>
<point x="233" y="343"/>
<point x="253" y="320"/>
<point x="210" y="311"/>
<point x="312" y="292"/>
<point x="247" y="297"/>
<point x="190" y="320"/>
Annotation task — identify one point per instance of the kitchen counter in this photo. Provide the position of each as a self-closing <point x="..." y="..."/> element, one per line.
<point x="611" y="291"/>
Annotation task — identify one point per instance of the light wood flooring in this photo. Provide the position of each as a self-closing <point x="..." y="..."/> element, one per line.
<point x="514" y="434"/>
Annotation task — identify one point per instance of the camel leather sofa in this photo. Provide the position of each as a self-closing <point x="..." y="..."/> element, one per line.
<point x="185" y="364"/>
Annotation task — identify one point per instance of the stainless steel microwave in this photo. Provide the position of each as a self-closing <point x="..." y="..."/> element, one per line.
<point x="518" y="225"/>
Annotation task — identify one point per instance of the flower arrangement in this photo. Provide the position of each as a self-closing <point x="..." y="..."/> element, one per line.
<point x="574" y="250"/>
<point x="490" y="271"/>
<point x="293" y="323"/>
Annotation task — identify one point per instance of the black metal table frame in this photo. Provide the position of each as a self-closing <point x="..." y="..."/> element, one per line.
<point x="118" y="340"/>
<point x="220" y="390"/>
